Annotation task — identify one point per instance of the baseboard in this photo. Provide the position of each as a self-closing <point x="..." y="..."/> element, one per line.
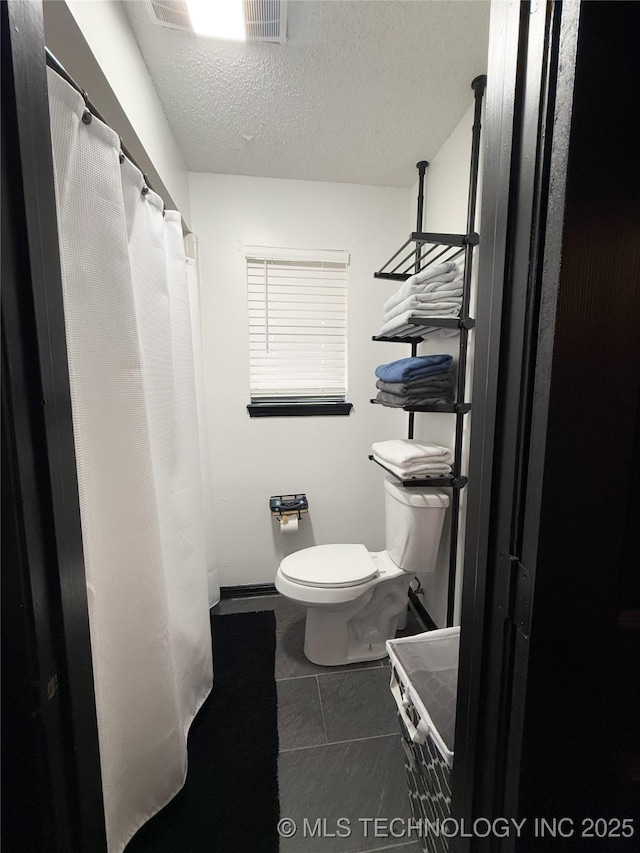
<point x="421" y="612"/>
<point x="255" y="589"/>
<point x="248" y="590"/>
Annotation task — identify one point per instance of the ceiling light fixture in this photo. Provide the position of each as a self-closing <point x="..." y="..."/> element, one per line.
<point x="221" y="19"/>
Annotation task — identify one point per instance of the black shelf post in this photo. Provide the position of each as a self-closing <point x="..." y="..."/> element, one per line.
<point x="429" y="249"/>
<point x="478" y="86"/>
<point x="422" y="170"/>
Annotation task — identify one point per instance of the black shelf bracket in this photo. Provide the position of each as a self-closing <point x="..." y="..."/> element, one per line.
<point x="424" y="325"/>
<point x="394" y="339"/>
<point x="449" y="481"/>
<point x="459" y="482"/>
<point x="416" y="482"/>
<point x="438" y="408"/>
<point x="436" y="322"/>
<point x="452" y="240"/>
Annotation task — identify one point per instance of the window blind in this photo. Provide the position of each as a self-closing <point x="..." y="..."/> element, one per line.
<point x="297" y="326"/>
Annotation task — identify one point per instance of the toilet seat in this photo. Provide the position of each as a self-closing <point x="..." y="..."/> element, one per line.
<point x="330" y="566"/>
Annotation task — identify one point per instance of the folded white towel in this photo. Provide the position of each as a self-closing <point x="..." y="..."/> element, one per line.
<point x="433" y="272"/>
<point x="425" y="468"/>
<point x="431" y="304"/>
<point x="406" y="451"/>
<point x="440" y="276"/>
<point x="404" y="292"/>
<point x="415" y="473"/>
<point x="431" y="333"/>
<point x="439" y="286"/>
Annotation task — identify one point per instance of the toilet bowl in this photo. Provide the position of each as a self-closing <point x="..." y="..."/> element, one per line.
<point x="354" y="597"/>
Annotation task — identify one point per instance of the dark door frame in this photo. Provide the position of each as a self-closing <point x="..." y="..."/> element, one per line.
<point x="44" y="566"/>
<point x="529" y="98"/>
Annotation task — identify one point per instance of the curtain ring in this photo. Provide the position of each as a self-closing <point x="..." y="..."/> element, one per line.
<point x="86" y="115"/>
<point x="121" y="154"/>
<point x="145" y="188"/>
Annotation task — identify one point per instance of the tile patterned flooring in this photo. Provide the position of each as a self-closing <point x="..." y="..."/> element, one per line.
<point x="340" y="751"/>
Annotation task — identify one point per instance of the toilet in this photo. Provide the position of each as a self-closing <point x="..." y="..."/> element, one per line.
<point x="355" y="597"/>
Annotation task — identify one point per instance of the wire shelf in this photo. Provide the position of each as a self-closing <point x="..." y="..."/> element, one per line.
<point x="422" y="250"/>
<point x="442" y="408"/>
<point x="415" y="482"/>
<point x="424" y="326"/>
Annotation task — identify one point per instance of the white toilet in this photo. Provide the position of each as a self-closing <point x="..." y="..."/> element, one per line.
<point x="354" y="597"/>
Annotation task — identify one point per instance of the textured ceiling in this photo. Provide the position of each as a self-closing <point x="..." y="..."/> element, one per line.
<point x="359" y="93"/>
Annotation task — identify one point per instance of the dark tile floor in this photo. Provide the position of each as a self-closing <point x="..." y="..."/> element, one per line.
<point x="340" y="751"/>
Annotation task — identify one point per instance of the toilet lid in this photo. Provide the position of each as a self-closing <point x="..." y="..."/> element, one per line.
<point x="329" y="566"/>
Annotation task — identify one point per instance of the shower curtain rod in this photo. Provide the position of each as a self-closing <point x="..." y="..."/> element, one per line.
<point x="59" y="68"/>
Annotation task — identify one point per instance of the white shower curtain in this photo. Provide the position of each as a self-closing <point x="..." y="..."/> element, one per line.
<point x="213" y="579"/>
<point x="137" y="436"/>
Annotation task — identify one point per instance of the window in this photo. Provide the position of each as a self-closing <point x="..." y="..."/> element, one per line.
<point x="297" y="331"/>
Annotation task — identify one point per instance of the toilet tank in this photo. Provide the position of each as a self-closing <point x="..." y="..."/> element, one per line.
<point x="413" y="525"/>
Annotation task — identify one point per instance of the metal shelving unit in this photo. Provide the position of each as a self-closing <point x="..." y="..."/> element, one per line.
<point x="420" y="251"/>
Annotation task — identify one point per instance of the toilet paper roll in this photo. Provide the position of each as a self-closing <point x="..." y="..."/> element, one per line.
<point x="289" y="523"/>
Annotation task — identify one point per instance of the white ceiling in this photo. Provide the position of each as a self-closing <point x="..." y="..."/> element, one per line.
<point x="361" y="90"/>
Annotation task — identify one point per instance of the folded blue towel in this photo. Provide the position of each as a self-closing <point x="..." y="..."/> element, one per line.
<point x="406" y="369"/>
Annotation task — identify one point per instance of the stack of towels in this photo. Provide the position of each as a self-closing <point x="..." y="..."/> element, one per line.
<point x="410" y="459"/>
<point x="418" y="381"/>
<point x="434" y="292"/>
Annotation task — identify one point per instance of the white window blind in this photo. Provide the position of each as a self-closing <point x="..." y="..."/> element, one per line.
<point x="297" y="324"/>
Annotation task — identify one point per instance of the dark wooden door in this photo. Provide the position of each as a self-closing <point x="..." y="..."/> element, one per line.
<point x="581" y="702"/>
<point x="51" y="791"/>
<point x="548" y="723"/>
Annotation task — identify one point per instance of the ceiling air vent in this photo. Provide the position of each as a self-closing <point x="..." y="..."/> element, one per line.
<point x="266" y="20"/>
<point x="170" y="13"/>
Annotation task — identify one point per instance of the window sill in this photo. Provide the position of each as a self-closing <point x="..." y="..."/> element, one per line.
<point x="297" y="410"/>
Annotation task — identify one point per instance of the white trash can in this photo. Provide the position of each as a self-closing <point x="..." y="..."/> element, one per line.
<point x="424" y="680"/>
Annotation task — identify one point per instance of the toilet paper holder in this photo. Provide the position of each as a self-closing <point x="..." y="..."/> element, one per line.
<point x="288" y="505"/>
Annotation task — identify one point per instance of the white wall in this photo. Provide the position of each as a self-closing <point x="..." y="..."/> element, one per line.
<point x="95" y="43"/>
<point x="446" y="197"/>
<point x="448" y="181"/>
<point x="326" y="457"/>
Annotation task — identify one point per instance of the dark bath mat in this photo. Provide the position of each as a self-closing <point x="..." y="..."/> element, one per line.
<point x="229" y="803"/>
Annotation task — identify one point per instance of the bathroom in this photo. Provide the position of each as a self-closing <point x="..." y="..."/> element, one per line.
<point x="307" y="158"/>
